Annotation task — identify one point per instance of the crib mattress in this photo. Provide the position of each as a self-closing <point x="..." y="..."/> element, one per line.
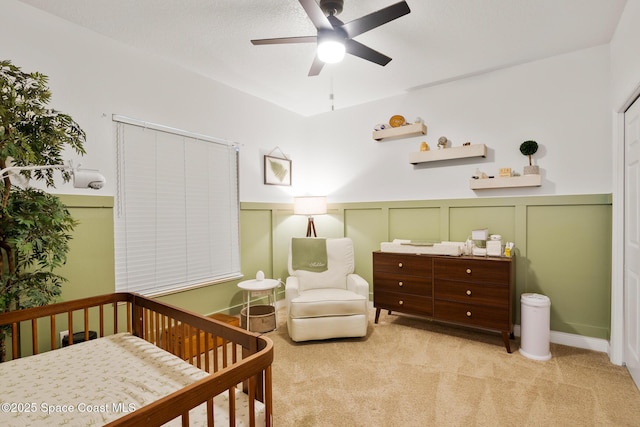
<point x="98" y="381"/>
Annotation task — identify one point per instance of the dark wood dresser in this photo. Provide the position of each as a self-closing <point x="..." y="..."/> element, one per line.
<point x="470" y="291"/>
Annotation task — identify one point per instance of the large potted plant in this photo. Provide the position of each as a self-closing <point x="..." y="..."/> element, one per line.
<point x="35" y="227"/>
<point x="529" y="148"/>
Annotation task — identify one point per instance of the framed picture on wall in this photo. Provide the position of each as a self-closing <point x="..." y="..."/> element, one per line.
<point x="277" y="171"/>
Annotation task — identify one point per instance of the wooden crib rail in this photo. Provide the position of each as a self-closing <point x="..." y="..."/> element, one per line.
<point x="230" y="354"/>
<point x="142" y="325"/>
<point x="234" y="357"/>
<point x="13" y="319"/>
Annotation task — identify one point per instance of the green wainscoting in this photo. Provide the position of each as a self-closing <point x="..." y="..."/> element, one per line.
<point x="563" y="247"/>
<point x="568" y="259"/>
<point x="563" y="243"/>
<point x="90" y="267"/>
<point x="415" y="224"/>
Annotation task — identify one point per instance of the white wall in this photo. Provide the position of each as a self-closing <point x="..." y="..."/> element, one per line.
<point x="92" y="78"/>
<point x="625" y="61"/>
<point x="562" y="102"/>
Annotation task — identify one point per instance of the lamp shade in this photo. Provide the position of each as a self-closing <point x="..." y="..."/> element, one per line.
<point x="310" y="205"/>
<point x="331" y="51"/>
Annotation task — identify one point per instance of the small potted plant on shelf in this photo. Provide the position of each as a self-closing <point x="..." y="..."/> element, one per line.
<point x="529" y="148"/>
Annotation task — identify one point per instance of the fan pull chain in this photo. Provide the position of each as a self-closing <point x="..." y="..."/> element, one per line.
<point x="331" y="94"/>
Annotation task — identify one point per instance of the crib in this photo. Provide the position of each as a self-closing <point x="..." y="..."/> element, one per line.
<point x="150" y="364"/>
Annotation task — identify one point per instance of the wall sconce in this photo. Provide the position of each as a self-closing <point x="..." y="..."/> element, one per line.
<point x="310" y="206"/>
<point x="82" y="178"/>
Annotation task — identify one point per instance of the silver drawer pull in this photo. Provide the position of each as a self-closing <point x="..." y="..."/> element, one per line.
<point x="468" y="292"/>
<point x="400" y="284"/>
<point x="468" y="271"/>
<point x="468" y="314"/>
<point x="400" y="302"/>
<point x="400" y="264"/>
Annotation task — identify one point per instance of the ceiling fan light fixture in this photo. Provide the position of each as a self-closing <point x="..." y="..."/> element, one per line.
<point x="335" y="38"/>
<point x="331" y="51"/>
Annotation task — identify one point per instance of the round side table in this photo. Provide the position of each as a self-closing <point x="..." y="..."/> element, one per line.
<point x="255" y="288"/>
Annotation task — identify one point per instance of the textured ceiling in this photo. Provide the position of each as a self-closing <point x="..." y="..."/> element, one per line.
<point x="440" y="40"/>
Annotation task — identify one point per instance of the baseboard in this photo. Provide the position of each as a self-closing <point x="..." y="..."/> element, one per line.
<point x="562" y="338"/>
<point x="573" y="340"/>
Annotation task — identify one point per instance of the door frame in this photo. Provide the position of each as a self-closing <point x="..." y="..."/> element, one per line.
<point x="616" y="340"/>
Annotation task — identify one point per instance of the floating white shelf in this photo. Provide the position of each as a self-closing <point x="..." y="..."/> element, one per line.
<point x="514" y="181"/>
<point x="464" y="151"/>
<point x="401" y="131"/>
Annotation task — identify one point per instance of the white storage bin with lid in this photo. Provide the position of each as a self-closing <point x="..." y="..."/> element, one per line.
<point x="535" y="326"/>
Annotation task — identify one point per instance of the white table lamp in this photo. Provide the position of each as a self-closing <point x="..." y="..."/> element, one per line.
<point x="310" y="206"/>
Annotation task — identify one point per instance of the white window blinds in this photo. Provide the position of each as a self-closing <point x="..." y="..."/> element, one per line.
<point x="177" y="209"/>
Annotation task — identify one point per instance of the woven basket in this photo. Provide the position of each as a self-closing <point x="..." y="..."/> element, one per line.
<point x="262" y="318"/>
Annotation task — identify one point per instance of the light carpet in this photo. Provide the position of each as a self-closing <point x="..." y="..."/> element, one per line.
<point x="409" y="371"/>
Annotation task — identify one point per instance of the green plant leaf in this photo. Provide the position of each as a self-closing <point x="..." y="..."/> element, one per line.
<point x="35" y="227"/>
<point x="529" y="148"/>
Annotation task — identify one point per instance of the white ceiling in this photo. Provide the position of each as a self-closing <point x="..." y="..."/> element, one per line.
<point x="439" y="40"/>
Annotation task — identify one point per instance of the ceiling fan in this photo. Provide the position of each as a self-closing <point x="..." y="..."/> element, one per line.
<point x="332" y="32"/>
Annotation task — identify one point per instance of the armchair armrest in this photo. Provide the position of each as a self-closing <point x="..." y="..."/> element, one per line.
<point x="291" y="288"/>
<point x="357" y="284"/>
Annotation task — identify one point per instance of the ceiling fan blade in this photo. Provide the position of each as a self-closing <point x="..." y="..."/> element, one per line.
<point x="285" y="40"/>
<point x="358" y="49"/>
<point x="335" y="22"/>
<point x="316" y="67"/>
<point x="316" y="15"/>
<point x="375" y="19"/>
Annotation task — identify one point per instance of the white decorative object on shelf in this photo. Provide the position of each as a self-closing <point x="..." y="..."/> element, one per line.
<point x="514" y="181"/>
<point x="409" y="247"/>
<point x="400" y="131"/>
<point x="465" y="151"/>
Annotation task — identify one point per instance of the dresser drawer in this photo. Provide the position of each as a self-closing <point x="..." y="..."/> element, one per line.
<point x="415" y="265"/>
<point x="412" y="304"/>
<point x="472" y="270"/>
<point x="473" y="315"/>
<point x="402" y="284"/>
<point x="472" y="293"/>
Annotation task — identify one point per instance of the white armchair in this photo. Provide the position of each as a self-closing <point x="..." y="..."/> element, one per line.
<point x="325" y="301"/>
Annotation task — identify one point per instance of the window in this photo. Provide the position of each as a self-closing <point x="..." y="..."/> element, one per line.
<point x="176" y="209"/>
